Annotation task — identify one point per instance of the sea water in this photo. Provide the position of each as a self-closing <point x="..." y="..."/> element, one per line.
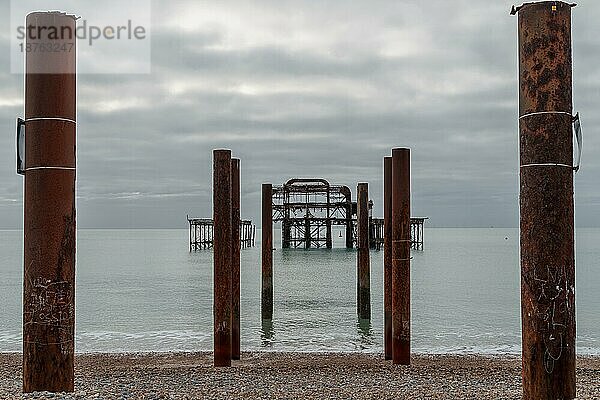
<point x="142" y="290"/>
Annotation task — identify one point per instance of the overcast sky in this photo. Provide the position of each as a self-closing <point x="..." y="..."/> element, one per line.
<point x="310" y="89"/>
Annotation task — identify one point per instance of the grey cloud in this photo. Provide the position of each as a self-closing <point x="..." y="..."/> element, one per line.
<point x="333" y="108"/>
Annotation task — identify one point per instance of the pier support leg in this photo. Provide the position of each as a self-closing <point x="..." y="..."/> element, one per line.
<point x="329" y="237"/>
<point x="387" y="256"/>
<point x="49" y="207"/>
<point x="235" y="258"/>
<point x="286" y="233"/>
<point x="307" y="234"/>
<point x="222" y="257"/>
<point x="401" y="256"/>
<point x="349" y="233"/>
<point x="546" y="201"/>
<point x="363" y="256"/>
<point x="267" y="251"/>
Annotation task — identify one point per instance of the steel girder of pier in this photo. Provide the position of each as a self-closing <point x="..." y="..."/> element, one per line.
<point x="309" y="208"/>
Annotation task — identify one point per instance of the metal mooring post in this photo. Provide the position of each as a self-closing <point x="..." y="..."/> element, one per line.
<point x="401" y="256"/>
<point x="363" y="258"/>
<point x="267" y="252"/>
<point x="235" y="258"/>
<point x="222" y="257"/>
<point x="49" y="208"/>
<point x="387" y="256"/>
<point x="546" y="198"/>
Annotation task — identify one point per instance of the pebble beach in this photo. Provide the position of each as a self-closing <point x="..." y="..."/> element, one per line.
<point x="265" y="375"/>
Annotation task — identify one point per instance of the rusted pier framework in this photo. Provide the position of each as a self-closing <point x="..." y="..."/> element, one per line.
<point x="49" y="209"/>
<point x="546" y="200"/>
<point x="201" y="233"/>
<point x="309" y="208"/>
<point x="377" y="233"/>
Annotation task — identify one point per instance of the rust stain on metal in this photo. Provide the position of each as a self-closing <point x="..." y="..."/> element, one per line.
<point x="222" y="257"/>
<point x="49" y="215"/>
<point x="546" y="201"/>
<point x="401" y="256"/>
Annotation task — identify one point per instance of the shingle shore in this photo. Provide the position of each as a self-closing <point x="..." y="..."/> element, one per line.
<point x="293" y="376"/>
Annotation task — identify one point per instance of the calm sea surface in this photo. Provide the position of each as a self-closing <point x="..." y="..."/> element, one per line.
<point x="141" y="290"/>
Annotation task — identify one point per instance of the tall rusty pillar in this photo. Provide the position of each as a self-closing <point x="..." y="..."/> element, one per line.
<point x="267" y="252"/>
<point x="222" y="240"/>
<point x="363" y="258"/>
<point x="387" y="256"/>
<point x="49" y="210"/>
<point x="546" y="201"/>
<point x="235" y="258"/>
<point x="401" y="256"/>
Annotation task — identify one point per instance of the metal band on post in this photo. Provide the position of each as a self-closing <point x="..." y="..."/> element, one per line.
<point x="50" y="119"/>
<point x="577" y="125"/>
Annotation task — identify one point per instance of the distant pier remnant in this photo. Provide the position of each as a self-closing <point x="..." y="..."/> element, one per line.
<point x="546" y="200"/>
<point x="362" y="258"/>
<point x="267" y="252"/>
<point x="49" y="207"/>
<point x="222" y="257"/>
<point x="378" y="232"/>
<point x="387" y="257"/>
<point x="401" y="256"/>
<point x="235" y="258"/>
<point x="201" y="233"/>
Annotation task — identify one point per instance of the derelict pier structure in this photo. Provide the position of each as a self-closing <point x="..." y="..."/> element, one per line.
<point x="308" y="209"/>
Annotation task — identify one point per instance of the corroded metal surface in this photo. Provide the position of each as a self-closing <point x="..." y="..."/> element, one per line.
<point x="235" y="258"/>
<point x="387" y="256"/>
<point x="363" y="281"/>
<point x="222" y="257"/>
<point x="401" y="256"/>
<point x="267" y="252"/>
<point x="49" y="222"/>
<point x="546" y="201"/>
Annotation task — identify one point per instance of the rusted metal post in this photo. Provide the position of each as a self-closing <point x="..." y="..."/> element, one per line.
<point x="546" y="199"/>
<point x="401" y="256"/>
<point x="222" y="231"/>
<point x="363" y="257"/>
<point x="235" y="258"/>
<point x="387" y="256"/>
<point x="49" y="207"/>
<point x="267" y="251"/>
